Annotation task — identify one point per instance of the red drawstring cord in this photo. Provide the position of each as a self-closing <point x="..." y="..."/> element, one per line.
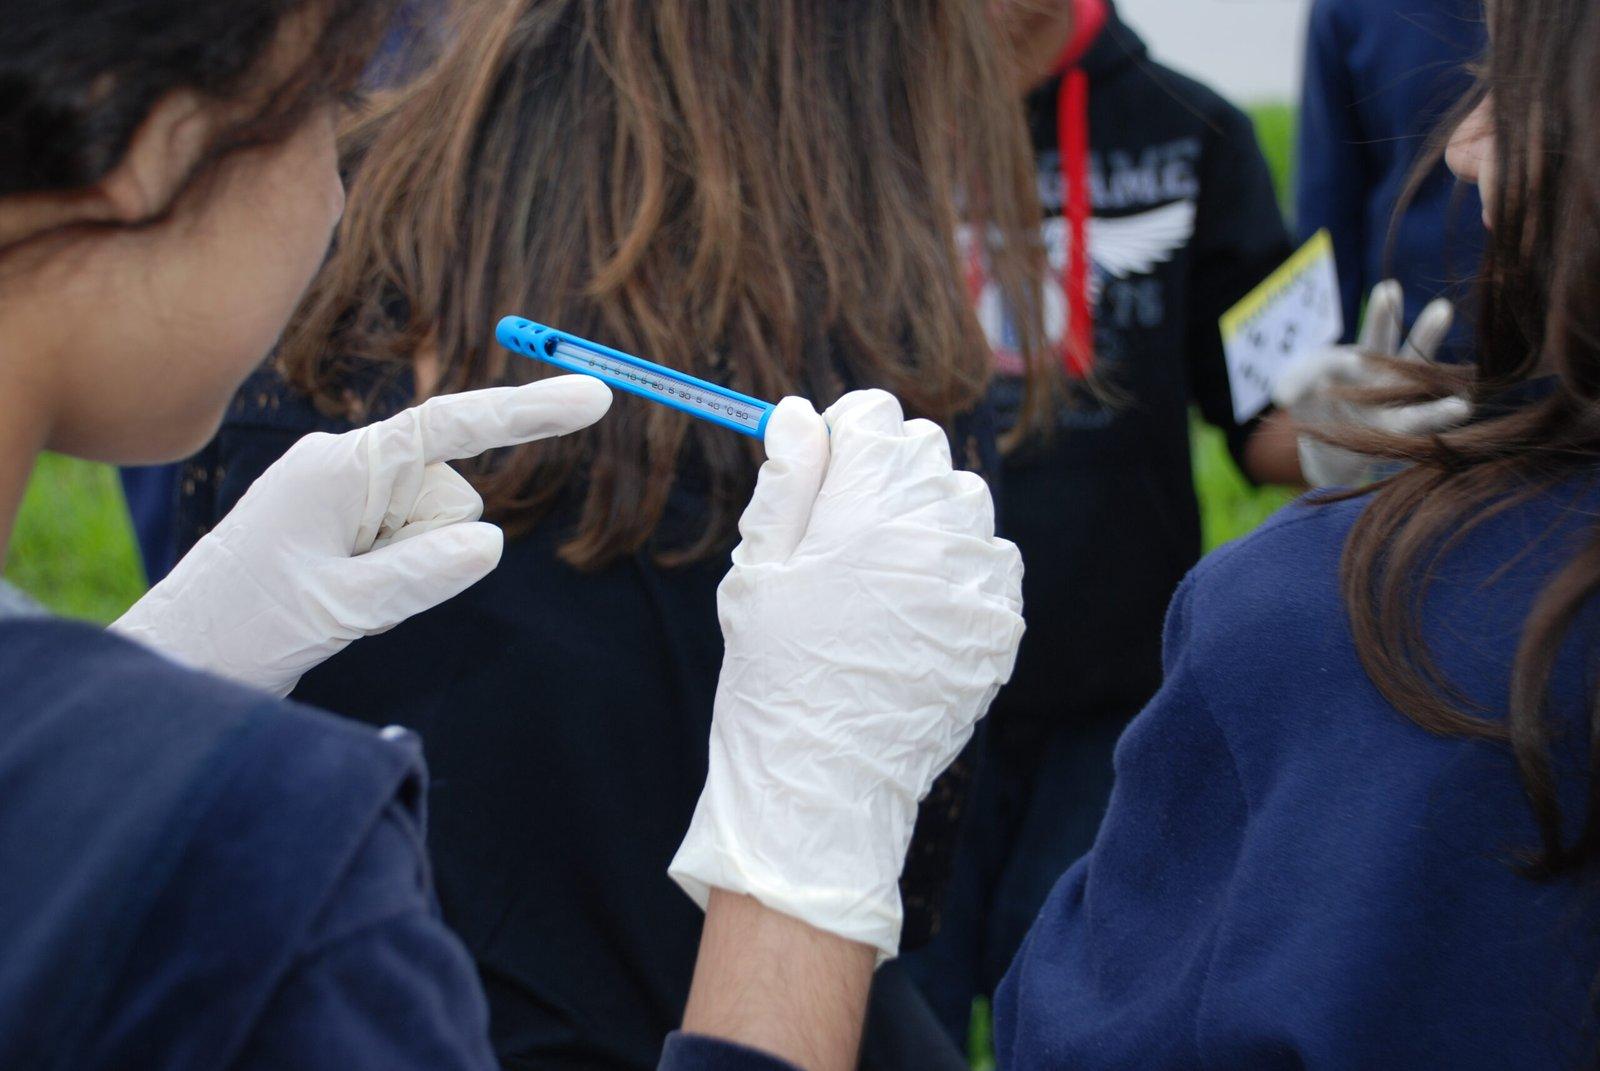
<point x="1072" y="143"/>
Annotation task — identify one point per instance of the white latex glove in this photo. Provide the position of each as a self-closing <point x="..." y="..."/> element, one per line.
<point x="1306" y="388"/>
<point x="869" y="618"/>
<point x="349" y="535"/>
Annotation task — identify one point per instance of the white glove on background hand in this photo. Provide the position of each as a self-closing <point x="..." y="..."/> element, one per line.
<point x="867" y="627"/>
<point x="1307" y="388"/>
<point x="349" y="535"/>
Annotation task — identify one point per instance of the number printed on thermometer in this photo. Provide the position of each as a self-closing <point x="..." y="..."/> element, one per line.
<point x="703" y="401"/>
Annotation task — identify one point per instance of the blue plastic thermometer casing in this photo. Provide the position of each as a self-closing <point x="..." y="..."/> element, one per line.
<point x="625" y="372"/>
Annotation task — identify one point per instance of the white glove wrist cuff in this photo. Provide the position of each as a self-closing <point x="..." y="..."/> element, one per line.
<point x="874" y="919"/>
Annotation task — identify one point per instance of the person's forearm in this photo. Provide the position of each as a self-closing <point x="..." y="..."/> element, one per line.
<point x="1272" y="454"/>
<point x="769" y="981"/>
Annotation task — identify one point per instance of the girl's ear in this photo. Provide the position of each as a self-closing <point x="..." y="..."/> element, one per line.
<point x="142" y="185"/>
<point x="159" y="160"/>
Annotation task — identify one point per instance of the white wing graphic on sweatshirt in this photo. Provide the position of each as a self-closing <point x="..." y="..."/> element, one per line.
<point x="1134" y="245"/>
<point x="1118" y="248"/>
<point x="1126" y="245"/>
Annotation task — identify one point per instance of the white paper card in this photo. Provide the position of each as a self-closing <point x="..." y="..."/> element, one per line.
<point x="1295" y="312"/>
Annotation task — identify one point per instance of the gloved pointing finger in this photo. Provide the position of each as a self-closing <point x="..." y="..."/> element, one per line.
<point x="404" y="455"/>
<point x="453" y="427"/>
<point x="348" y="535"/>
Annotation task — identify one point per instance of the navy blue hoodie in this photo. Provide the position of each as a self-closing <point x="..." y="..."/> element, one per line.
<point x="1291" y="873"/>
<point x="198" y="876"/>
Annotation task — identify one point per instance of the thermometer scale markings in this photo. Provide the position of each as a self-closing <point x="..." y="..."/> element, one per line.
<point x="744" y="415"/>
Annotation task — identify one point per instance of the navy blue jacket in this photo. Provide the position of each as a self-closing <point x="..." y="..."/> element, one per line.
<point x="1381" y="76"/>
<point x="1293" y="874"/>
<point x="1290" y="872"/>
<point x="197" y="876"/>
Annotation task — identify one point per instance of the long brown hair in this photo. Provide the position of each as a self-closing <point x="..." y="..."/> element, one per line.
<point x="763" y="194"/>
<point x="1539" y="301"/>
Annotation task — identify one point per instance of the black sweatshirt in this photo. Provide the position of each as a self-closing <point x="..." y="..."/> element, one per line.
<point x="1185" y="222"/>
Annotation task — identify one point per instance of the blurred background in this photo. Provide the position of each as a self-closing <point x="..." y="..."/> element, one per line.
<point x="1248" y="49"/>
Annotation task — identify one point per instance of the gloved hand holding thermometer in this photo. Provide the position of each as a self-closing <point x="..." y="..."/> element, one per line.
<point x="349" y="535"/>
<point x="1307" y="390"/>
<point x="869" y="618"/>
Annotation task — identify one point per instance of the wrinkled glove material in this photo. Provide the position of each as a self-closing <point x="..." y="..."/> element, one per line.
<point x="348" y="535"/>
<point x="869" y="618"/>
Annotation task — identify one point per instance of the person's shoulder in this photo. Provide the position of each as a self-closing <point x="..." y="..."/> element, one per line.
<point x="1303" y="540"/>
<point x="54" y="665"/>
<point x="1345" y="23"/>
<point x="1260" y="614"/>
<point x="55" y="662"/>
<point x="1267" y="616"/>
<point x="76" y="695"/>
<point x="169" y="834"/>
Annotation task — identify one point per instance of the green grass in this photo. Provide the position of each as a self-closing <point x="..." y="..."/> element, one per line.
<point x="73" y="547"/>
<point x="1275" y="124"/>
<point x="1229" y="506"/>
<point x="980" y="1037"/>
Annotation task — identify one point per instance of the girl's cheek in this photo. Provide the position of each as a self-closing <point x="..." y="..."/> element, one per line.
<point x="1486" y="188"/>
<point x="321" y="158"/>
<point x="1470" y="154"/>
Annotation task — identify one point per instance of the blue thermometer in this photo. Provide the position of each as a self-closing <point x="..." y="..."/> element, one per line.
<point x="635" y="375"/>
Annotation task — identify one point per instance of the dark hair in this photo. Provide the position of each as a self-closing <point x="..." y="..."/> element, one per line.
<point x="756" y="193"/>
<point x="78" y="77"/>
<point x="1539" y="301"/>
